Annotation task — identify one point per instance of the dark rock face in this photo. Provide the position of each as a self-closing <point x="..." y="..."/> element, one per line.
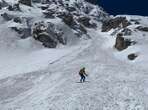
<point x="7" y="16"/>
<point x="17" y="20"/>
<point x="86" y="22"/>
<point x="44" y="7"/>
<point x="68" y="19"/>
<point x="49" y="13"/>
<point x="136" y="21"/>
<point x="14" y="7"/>
<point x="71" y="9"/>
<point x="127" y="32"/>
<point x="3" y="4"/>
<point x="23" y="32"/>
<point x="48" y="34"/>
<point x="36" y="1"/>
<point x="122" y="43"/>
<point x="118" y="22"/>
<point x="141" y="28"/>
<point x="132" y="56"/>
<point x="26" y="2"/>
<point x="92" y="1"/>
<point x="72" y="23"/>
<point x="47" y="40"/>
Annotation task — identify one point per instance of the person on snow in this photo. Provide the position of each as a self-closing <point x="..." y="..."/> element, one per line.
<point x="82" y="74"/>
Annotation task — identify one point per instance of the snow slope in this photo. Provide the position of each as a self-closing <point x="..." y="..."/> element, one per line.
<point x="112" y="84"/>
<point x="36" y="78"/>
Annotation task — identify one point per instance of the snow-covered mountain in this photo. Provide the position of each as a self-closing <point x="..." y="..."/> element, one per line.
<point x="44" y="44"/>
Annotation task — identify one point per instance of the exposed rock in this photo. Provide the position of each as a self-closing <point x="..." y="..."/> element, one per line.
<point x="23" y="32"/>
<point x="17" y="20"/>
<point x="71" y="9"/>
<point x="7" y="16"/>
<point x="86" y="22"/>
<point x="26" y="2"/>
<point x="44" y="7"/>
<point x="122" y="43"/>
<point x="49" y="13"/>
<point x="14" y="7"/>
<point x="0" y="6"/>
<point x="36" y="1"/>
<point x="92" y="1"/>
<point x="132" y="56"/>
<point x="83" y="30"/>
<point x="68" y="19"/>
<point x="56" y="33"/>
<point x="3" y="4"/>
<point x="141" y="28"/>
<point x="48" y="34"/>
<point x="127" y="32"/>
<point x="47" y="40"/>
<point x="118" y="22"/>
<point x="136" y="21"/>
<point x="60" y="37"/>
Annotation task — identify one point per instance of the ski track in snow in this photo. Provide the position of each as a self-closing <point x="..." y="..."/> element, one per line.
<point x="112" y="84"/>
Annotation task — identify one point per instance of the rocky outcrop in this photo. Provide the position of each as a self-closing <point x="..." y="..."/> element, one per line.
<point x="68" y="19"/>
<point x="48" y="34"/>
<point x="26" y="2"/>
<point x="122" y="43"/>
<point x="135" y="21"/>
<point x="14" y="7"/>
<point x="86" y="22"/>
<point x="7" y="16"/>
<point x="127" y="32"/>
<point x="92" y="1"/>
<point x="3" y="4"/>
<point x="132" y="56"/>
<point x="141" y="28"/>
<point x="118" y="22"/>
<point x="49" y="13"/>
<point x="23" y="32"/>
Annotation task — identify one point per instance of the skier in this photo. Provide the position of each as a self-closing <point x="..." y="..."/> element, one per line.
<point x="82" y="74"/>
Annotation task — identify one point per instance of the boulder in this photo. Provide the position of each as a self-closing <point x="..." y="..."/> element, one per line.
<point x="7" y="16"/>
<point x="118" y="22"/>
<point x="26" y="2"/>
<point x="141" y="28"/>
<point x="132" y="56"/>
<point x="122" y="43"/>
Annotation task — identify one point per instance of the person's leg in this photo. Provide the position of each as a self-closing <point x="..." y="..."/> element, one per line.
<point x="83" y="78"/>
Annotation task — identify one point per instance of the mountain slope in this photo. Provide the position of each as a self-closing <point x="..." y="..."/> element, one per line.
<point x="36" y="77"/>
<point x="111" y="84"/>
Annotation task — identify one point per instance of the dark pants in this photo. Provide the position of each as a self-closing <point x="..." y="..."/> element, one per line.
<point x="82" y="78"/>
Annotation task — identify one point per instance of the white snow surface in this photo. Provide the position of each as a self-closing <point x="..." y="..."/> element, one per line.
<point x="36" y="78"/>
<point x="112" y="84"/>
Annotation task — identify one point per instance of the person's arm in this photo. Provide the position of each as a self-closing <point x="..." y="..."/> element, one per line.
<point x="85" y="73"/>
